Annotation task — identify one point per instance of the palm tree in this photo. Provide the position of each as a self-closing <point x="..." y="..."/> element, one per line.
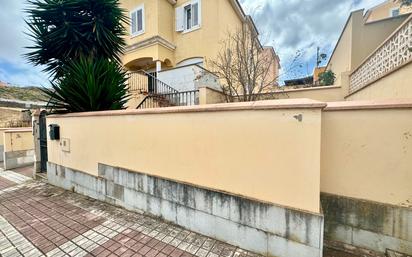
<point x="81" y="34"/>
<point x="89" y="86"/>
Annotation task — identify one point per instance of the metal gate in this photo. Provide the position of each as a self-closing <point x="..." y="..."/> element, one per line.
<point x="43" y="141"/>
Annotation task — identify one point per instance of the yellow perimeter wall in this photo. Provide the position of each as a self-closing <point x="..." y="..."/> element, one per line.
<point x="325" y="93"/>
<point x="246" y="149"/>
<point x="367" y="153"/>
<point x="2" y="135"/>
<point x="284" y="152"/>
<point x="18" y="140"/>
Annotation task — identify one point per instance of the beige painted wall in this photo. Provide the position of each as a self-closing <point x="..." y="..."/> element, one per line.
<point x="326" y="94"/>
<point x="2" y="135"/>
<point x="367" y="154"/>
<point x="150" y="18"/>
<point x="18" y="140"/>
<point x="366" y="38"/>
<point x="340" y="60"/>
<point x="270" y="57"/>
<point x="396" y="85"/>
<point x="210" y="96"/>
<point x="332" y="93"/>
<point x="166" y="22"/>
<point x="358" y="40"/>
<point x="217" y="19"/>
<point x="355" y="149"/>
<point x="248" y="149"/>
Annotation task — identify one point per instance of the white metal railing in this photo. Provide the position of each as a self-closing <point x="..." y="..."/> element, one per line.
<point x="392" y="54"/>
<point x="138" y="82"/>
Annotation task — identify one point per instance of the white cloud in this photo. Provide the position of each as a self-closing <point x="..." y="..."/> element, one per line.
<point x="290" y="25"/>
<point x="302" y="25"/>
<point x="25" y="75"/>
<point x="13" y="67"/>
<point x="12" y="28"/>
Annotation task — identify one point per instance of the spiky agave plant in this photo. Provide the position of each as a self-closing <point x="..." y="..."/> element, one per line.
<point x="79" y="42"/>
<point x="89" y="85"/>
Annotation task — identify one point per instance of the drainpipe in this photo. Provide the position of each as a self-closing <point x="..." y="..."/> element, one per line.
<point x="158" y="67"/>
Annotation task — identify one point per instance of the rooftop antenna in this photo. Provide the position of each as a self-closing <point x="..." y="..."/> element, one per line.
<point x="320" y="57"/>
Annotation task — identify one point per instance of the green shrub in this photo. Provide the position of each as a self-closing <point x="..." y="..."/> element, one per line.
<point x="327" y="78"/>
<point x="66" y="30"/>
<point x="79" y="42"/>
<point x="89" y="85"/>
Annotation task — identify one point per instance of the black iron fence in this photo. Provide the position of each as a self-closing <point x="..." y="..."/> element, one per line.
<point x="145" y="82"/>
<point x="158" y="93"/>
<point x="185" y="98"/>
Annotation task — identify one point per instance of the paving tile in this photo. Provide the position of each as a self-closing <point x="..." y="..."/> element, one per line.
<point x="42" y="220"/>
<point x="5" y="183"/>
<point x="202" y="252"/>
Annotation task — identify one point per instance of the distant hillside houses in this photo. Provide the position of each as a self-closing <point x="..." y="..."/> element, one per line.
<point x="21" y="96"/>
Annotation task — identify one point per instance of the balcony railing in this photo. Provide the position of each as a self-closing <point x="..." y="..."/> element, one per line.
<point x="158" y="93"/>
<point x="186" y="98"/>
<point x="144" y="82"/>
<point x="394" y="53"/>
<point x="138" y="82"/>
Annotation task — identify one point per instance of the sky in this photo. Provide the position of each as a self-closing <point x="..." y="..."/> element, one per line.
<point x="294" y="27"/>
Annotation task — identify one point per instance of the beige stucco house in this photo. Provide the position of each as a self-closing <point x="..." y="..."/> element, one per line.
<point x="385" y="10"/>
<point x="172" y="41"/>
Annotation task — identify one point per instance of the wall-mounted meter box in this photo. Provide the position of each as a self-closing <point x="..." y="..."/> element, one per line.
<point x="54" y="132"/>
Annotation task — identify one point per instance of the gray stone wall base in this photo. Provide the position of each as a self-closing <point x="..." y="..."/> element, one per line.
<point x="380" y="228"/>
<point x="18" y="159"/>
<point x="1" y="153"/>
<point x="260" y="227"/>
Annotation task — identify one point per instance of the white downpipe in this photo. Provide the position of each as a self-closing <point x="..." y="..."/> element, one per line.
<point x="158" y="66"/>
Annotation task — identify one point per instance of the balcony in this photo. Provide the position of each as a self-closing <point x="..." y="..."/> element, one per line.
<point x="391" y="55"/>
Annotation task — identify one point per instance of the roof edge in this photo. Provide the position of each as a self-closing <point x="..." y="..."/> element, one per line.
<point x="302" y="103"/>
<point x="341" y="34"/>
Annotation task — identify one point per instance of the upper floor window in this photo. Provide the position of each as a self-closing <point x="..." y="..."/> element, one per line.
<point x="394" y="12"/>
<point x="188" y="16"/>
<point x="137" y="21"/>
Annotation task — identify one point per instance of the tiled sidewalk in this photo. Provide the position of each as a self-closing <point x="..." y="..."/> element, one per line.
<point x="37" y="219"/>
<point x="5" y="183"/>
<point x="26" y="171"/>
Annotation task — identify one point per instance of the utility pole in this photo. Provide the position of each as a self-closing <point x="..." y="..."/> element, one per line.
<point x="319" y="57"/>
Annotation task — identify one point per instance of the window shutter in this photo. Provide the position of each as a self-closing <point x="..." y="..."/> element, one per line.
<point x="139" y="20"/>
<point x="134" y="23"/>
<point x="179" y="19"/>
<point x="195" y="10"/>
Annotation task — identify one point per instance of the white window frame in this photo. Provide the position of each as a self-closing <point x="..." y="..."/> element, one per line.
<point x="394" y="9"/>
<point x="199" y="14"/>
<point x="138" y="32"/>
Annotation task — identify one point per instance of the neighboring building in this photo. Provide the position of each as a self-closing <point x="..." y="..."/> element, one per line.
<point x="14" y="117"/>
<point x="358" y="40"/>
<point x="385" y="10"/>
<point x="299" y="81"/>
<point x="316" y="73"/>
<point x="372" y="58"/>
<point x="270" y="54"/>
<point x="173" y="40"/>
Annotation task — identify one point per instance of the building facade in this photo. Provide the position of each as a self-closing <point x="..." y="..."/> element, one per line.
<point x="372" y="58"/>
<point x="385" y="10"/>
<point x="165" y="35"/>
